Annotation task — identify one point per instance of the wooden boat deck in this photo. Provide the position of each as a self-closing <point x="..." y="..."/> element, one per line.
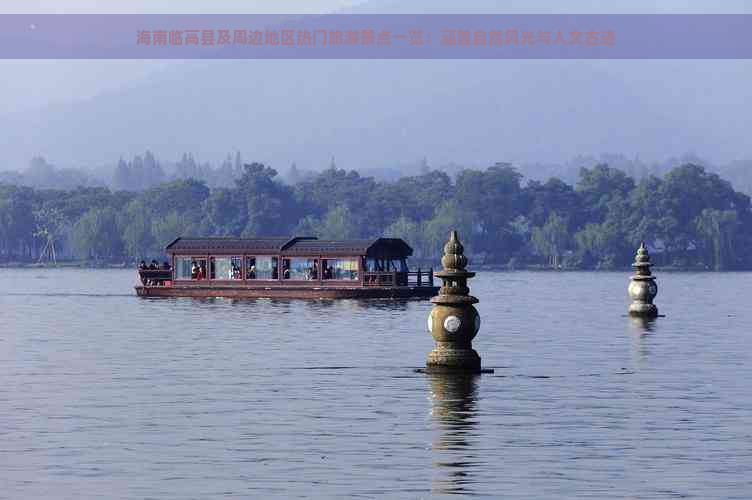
<point x="288" y="291"/>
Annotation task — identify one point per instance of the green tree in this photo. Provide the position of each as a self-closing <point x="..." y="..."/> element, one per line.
<point x="552" y="239"/>
<point x="493" y="199"/>
<point x="335" y="187"/>
<point x="598" y="187"/>
<point x="50" y="229"/>
<point x="308" y="226"/>
<point x="224" y="213"/>
<point x="602" y="246"/>
<point x="718" y="229"/>
<point x="96" y="235"/>
<point x="409" y="231"/>
<point x="166" y="229"/>
<point x="543" y="198"/>
<point x="182" y="196"/>
<point x="448" y="217"/>
<point x="137" y="234"/>
<point x="270" y="205"/>
<point x="338" y="224"/>
<point x="17" y="224"/>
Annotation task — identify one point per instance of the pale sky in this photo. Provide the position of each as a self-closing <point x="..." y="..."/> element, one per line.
<point x="170" y="6"/>
<point x="321" y="6"/>
<point x="33" y="84"/>
<point x="36" y="84"/>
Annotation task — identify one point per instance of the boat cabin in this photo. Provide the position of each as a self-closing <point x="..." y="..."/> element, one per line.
<point x="288" y="262"/>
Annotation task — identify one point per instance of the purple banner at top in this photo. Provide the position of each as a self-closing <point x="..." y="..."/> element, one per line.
<point x="347" y="36"/>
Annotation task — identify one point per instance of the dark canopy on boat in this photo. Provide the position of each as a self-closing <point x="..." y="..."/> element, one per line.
<point x="389" y="248"/>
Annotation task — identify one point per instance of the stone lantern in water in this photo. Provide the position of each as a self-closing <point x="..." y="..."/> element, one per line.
<point x="642" y="288"/>
<point x="454" y="321"/>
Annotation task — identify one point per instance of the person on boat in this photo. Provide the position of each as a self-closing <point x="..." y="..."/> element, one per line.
<point x="252" y="273"/>
<point x="314" y="271"/>
<point x="201" y="273"/>
<point x="166" y="266"/>
<point x="142" y="267"/>
<point x="154" y="265"/>
<point x="194" y="270"/>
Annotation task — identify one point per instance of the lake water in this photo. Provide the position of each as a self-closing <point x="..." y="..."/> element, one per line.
<point x="105" y="395"/>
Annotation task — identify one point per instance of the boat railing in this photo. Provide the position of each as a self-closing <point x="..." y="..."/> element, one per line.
<point x="421" y="277"/>
<point x="154" y="277"/>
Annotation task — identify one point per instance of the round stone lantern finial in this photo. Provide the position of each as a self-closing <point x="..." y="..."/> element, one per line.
<point x="453" y="321"/>
<point x="642" y="288"/>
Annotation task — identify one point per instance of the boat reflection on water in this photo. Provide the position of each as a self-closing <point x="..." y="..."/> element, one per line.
<point x="453" y="410"/>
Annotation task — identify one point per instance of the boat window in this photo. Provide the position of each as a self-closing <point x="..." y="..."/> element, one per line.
<point x="226" y="268"/>
<point x="183" y="266"/>
<point x="340" y="269"/>
<point x="198" y="271"/>
<point x="236" y="264"/>
<point x="261" y="268"/>
<point x="301" y="268"/>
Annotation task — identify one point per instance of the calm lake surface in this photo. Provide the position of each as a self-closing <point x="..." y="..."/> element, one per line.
<point x="105" y="395"/>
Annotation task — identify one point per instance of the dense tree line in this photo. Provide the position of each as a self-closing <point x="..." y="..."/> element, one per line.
<point x="689" y="217"/>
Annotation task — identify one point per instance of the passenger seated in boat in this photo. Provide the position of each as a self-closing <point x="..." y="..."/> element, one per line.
<point x="166" y="266"/>
<point x="154" y="265"/>
<point x="201" y="273"/>
<point x="252" y="273"/>
<point x="142" y="265"/>
<point x="194" y="270"/>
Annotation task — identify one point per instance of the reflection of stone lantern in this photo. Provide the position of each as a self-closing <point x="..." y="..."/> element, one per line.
<point x="454" y="321"/>
<point x="642" y="288"/>
<point x="454" y="408"/>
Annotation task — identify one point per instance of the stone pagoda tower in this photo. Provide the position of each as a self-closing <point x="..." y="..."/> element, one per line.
<point x="642" y="288"/>
<point x="453" y="321"/>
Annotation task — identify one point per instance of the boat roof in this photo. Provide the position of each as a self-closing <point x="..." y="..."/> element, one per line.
<point x="292" y="246"/>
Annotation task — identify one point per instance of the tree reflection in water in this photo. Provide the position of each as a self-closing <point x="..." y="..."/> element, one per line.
<point x="453" y="409"/>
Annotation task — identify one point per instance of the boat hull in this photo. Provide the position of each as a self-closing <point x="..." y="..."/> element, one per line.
<point x="403" y="292"/>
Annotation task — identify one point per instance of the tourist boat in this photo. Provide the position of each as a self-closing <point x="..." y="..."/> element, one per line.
<point x="288" y="267"/>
